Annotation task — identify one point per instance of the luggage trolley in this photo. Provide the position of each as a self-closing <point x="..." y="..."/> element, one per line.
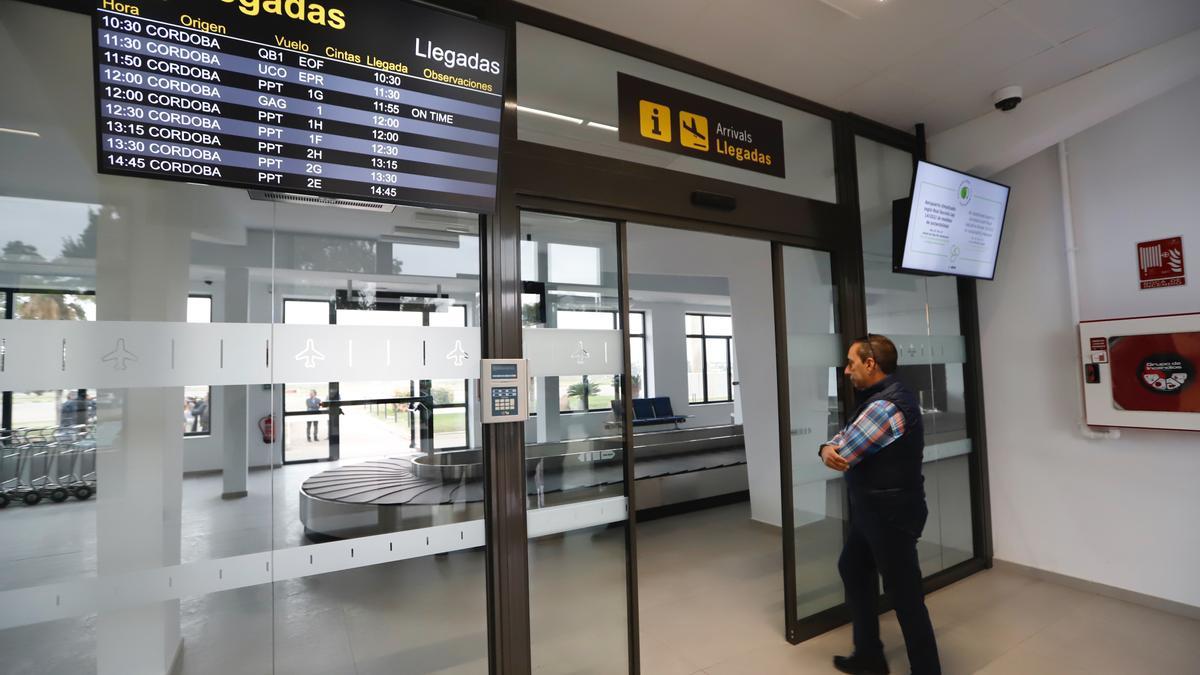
<point x="28" y="450"/>
<point x="9" y="465"/>
<point x="75" y="465"/>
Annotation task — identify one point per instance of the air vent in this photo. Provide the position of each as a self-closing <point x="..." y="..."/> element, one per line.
<point x="307" y="200"/>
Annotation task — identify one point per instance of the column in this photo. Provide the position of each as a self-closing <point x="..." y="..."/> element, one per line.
<point x="235" y="454"/>
<point x="142" y="275"/>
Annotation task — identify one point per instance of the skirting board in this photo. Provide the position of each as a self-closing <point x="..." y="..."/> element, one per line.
<point x="1153" y="602"/>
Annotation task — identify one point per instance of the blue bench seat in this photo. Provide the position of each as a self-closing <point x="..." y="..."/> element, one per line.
<point x="649" y="411"/>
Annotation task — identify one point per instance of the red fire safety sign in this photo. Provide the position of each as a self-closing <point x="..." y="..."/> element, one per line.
<point x="1160" y="263"/>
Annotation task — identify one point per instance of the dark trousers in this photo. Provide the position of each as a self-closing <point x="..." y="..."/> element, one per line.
<point x="310" y="430"/>
<point x="884" y="528"/>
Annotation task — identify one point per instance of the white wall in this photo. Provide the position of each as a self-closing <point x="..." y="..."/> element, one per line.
<point x="1121" y="513"/>
<point x="746" y="263"/>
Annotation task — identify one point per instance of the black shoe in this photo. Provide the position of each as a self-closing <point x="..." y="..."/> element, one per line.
<point x="861" y="665"/>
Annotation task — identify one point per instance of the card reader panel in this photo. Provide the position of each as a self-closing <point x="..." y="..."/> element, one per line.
<point x="504" y="386"/>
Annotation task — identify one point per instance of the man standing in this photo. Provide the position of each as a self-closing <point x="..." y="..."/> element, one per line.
<point x="311" y="427"/>
<point x="880" y="453"/>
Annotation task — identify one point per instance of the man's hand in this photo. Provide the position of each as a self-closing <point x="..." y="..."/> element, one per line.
<point x="829" y="455"/>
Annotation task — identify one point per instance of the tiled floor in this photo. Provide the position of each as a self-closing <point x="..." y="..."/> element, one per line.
<point x="711" y="603"/>
<point x="1001" y="623"/>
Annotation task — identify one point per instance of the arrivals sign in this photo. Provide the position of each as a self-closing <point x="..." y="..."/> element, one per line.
<point x="663" y="118"/>
<point x="386" y="101"/>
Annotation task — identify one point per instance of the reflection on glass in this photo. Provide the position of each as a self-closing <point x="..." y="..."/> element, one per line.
<point x="818" y="499"/>
<point x="574" y="453"/>
<point x="921" y="315"/>
<point x="572" y="264"/>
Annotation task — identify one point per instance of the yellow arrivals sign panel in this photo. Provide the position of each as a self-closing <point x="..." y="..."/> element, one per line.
<point x="680" y="122"/>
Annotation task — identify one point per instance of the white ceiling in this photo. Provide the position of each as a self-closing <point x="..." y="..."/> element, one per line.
<point x="896" y="61"/>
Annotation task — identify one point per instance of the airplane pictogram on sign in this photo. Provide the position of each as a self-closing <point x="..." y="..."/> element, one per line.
<point x="693" y="131"/>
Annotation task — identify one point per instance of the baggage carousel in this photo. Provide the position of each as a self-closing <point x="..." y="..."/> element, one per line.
<point x="403" y="493"/>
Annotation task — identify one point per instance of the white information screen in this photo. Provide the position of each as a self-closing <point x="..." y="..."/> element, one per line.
<point x="954" y="224"/>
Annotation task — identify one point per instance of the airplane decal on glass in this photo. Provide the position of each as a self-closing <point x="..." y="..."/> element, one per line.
<point x="580" y="355"/>
<point x="310" y="355"/>
<point x="458" y="354"/>
<point x="120" y="357"/>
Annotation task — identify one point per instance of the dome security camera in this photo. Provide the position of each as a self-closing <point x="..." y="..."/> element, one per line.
<point x="1007" y="98"/>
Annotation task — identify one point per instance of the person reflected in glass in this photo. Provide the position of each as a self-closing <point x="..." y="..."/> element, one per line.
<point x="880" y="453"/>
<point x="313" y="404"/>
<point x="199" y="415"/>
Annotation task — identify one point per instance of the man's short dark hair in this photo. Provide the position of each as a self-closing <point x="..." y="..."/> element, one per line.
<point x="880" y="348"/>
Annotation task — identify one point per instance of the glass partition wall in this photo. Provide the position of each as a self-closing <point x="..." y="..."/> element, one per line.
<point x="152" y="524"/>
<point x="244" y="436"/>
<point x="575" y="445"/>
<point x="813" y="351"/>
<point x="922" y="316"/>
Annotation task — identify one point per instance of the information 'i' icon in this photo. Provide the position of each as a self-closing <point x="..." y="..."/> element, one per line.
<point x="655" y="121"/>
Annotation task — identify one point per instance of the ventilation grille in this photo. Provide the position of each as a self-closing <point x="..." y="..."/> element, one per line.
<point x="290" y="198"/>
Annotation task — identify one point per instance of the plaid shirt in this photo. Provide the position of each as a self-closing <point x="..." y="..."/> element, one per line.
<point x="878" y="425"/>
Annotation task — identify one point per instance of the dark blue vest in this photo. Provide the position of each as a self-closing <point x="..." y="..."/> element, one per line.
<point x="898" y="466"/>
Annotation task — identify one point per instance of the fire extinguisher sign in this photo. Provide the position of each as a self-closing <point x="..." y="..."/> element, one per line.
<point x="1160" y="263"/>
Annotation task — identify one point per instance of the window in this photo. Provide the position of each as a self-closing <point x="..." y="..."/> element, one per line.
<point x="709" y="358"/>
<point x="591" y="393"/>
<point x="639" y="374"/>
<point x="197" y="399"/>
<point x="53" y="408"/>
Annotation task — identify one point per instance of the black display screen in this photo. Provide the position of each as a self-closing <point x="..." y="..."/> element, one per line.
<point x="382" y="101"/>
<point x="504" y="371"/>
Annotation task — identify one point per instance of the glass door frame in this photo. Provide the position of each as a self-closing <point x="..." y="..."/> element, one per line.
<point x="796" y="629"/>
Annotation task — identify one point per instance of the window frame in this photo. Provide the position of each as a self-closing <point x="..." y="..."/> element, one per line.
<point x="704" y="337"/>
<point x="418" y="389"/>
<point x="208" y="396"/>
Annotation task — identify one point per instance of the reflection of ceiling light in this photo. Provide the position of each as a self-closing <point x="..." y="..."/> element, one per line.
<point x="606" y="127"/>
<point x="418" y="241"/>
<point x="424" y="233"/>
<point x="544" y="113"/>
<point x="448" y="221"/>
<point x="21" y="132"/>
<point x="841" y="9"/>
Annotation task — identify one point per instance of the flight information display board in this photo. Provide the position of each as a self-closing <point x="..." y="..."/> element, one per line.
<point x="382" y="101"/>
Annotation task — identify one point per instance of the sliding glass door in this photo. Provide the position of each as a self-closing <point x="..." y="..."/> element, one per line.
<point x="810" y="344"/>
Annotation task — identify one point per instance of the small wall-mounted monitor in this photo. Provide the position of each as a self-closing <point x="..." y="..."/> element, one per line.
<point x="951" y="224"/>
